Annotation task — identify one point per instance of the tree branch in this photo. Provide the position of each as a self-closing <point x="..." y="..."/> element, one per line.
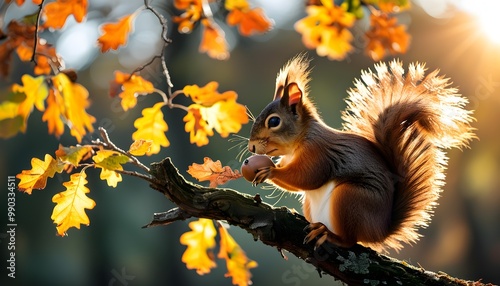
<point x="283" y="229"/>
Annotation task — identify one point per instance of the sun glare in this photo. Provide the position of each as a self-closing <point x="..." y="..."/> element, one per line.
<point x="487" y="13"/>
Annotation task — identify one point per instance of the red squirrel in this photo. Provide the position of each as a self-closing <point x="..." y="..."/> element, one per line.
<point x="377" y="180"/>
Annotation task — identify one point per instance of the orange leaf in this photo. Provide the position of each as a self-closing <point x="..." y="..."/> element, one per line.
<point x="213" y="41"/>
<point x="56" y="13"/>
<point x="115" y="34"/>
<point x="54" y="113"/>
<point x="140" y="147"/>
<point x="192" y="14"/>
<point x="75" y="101"/>
<point x="131" y="86"/>
<point x="197" y="126"/>
<point x="249" y="21"/>
<point x="36" y="178"/>
<point x="71" y="204"/>
<point x="151" y="126"/>
<point x="207" y="95"/>
<point x="238" y="264"/>
<point x="213" y="172"/>
<point x="199" y="241"/>
<point x="110" y="161"/>
<point x="385" y="35"/>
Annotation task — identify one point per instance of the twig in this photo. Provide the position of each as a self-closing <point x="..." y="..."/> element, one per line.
<point x="107" y="143"/>
<point x="135" y="174"/>
<point x="166" y="42"/>
<point x="166" y="218"/>
<point x="37" y="25"/>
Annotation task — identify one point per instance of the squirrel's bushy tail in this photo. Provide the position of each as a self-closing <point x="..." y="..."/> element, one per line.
<point x="411" y="118"/>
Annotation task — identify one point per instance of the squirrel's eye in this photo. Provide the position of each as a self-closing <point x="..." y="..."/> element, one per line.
<point x="273" y="122"/>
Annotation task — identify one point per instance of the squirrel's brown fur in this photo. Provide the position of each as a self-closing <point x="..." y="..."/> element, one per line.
<point x="378" y="180"/>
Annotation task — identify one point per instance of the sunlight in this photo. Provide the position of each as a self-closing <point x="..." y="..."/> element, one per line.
<point x="487" y="13"/>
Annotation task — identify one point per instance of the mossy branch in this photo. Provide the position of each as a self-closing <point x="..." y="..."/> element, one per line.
<point x="283" y="229"/>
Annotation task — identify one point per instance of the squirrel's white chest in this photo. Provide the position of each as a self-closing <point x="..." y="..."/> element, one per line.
<point x="320" y="204"/>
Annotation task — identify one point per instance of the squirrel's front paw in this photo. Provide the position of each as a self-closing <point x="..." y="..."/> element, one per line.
<point x="261" y="175"/>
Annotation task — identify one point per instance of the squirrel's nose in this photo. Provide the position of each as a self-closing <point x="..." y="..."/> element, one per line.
<point x="251" y="147"/>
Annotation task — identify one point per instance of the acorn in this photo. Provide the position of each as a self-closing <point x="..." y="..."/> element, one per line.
<point x="252" y="164"/>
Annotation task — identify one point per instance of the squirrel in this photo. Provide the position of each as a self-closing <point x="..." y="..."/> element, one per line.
<point x="377" y="180"/>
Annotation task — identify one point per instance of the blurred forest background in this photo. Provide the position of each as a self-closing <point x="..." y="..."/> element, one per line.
<point x="462" y="240"/>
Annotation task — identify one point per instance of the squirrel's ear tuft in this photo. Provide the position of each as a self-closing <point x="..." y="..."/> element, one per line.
<point x="293" y="79"/>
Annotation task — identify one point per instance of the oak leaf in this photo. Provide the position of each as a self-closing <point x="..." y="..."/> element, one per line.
<point x="385" y="35"/>
<point x="152" y="126"/>
<point x="110" y="161"/>
<point x="207" y="95"/>
<point x="36" y="178"/>
<point x="36" y="91"/>
<point x="75" y="101"/>
<point x="130" y="86"/>
<point x="199" y="241"/>
<point x="249" y="21"/>
<point x="192" y="15"/>
<point x="74" y="154"/>
<point x="11" y="122"/>
<point x="197" y="126"/>
<point x="213" y="41"/>
<point x="69" y="210"/>
<point x="226" y="117"/>
<point x="54" y="113"/>
<point x="56" y="13"/>
<point x="116" y="34"/>
<point x="238" y="264"/>
<point x="325" y="28"/>
<point x="213" y="172"/>
<point x="140" y="147"/>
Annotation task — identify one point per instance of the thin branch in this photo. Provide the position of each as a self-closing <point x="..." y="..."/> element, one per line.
<point x="283" y="229"/>
<point x="108" y="144"/>
<point x="166" y="42"/>
<point x="37" y="25"/>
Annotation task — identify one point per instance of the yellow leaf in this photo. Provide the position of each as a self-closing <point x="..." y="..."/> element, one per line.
<point x="56" y="13"/>
<point x="213" y="172"/>
<point x="75" y="98"/>
<point x="10" y="122"/>
<point x="326" y="29"/>
<point x="71" y="204"/>
<point x="151" y="126"/>
<point x="115" y="34"/>
<point x="238" y="264"/>
<point x="199" y="241"/>
<point x="140" y="147"/>
<point x="227" y="117"/>
<point x="131" y="86"/>
<point x="110" y="161"/>
<point x="36" y="178"/>
<point x="36" y="92"/>
<point x="73" y="154"/>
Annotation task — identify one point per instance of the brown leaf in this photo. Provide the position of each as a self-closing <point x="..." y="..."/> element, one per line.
<point x="213" y="172"/>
